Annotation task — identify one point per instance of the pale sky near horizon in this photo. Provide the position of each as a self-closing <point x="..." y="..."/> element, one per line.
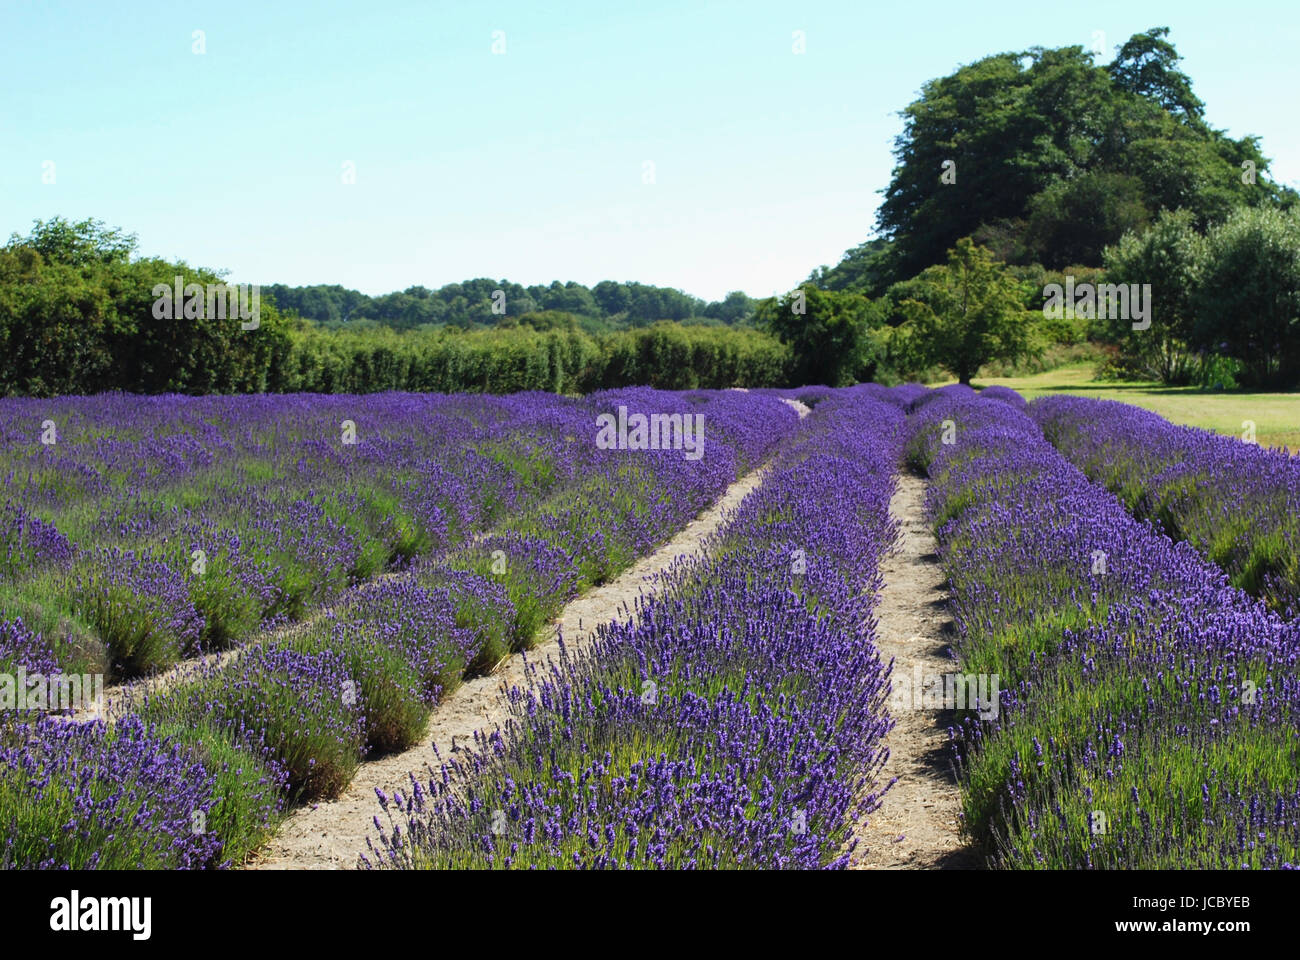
<point x="530" y="165"/>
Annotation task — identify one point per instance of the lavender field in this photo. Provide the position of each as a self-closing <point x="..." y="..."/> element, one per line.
<point x="219" y="615"/>
<point x="308" y="575"/>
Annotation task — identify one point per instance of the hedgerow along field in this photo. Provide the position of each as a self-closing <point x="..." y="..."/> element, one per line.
<point x="290" y="586"/>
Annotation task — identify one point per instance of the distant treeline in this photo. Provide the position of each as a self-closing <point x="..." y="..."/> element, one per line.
<point x="78" y="315"/>
<point x="485" y="303"/>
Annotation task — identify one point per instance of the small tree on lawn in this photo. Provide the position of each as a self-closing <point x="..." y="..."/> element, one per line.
<point x="966" y="312"/>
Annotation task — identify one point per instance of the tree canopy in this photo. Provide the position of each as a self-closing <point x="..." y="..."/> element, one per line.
<point x="829" y="333"/>
<point x="1049" y="157"/>
<point x="1248" y="294"/>
<point x="1168" y="257"/>
<point x="966" y="312"/>
<point x="77" y="316"/>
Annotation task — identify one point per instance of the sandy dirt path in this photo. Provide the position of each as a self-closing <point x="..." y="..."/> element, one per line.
<point x="918" y="825"/>
<point x="332" y="834"/>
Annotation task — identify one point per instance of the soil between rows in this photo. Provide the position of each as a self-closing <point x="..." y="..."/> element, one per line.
<point x="918" y="824"/>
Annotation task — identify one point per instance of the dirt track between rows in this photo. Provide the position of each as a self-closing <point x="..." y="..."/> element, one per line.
<point x="918" y="825"/>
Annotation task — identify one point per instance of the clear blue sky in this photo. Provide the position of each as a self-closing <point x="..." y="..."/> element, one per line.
<point x="529" y="165"/>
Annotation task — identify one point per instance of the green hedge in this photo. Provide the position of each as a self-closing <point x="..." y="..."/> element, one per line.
<point x="665" y="355"/>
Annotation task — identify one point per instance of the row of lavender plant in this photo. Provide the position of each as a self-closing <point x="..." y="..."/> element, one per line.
<point x="142" y="530"/>
<point x="734" y="720"/>
<point x="1237" y="502"/>
<point x="147" y="531"/>
<point x="291" y="718"/>
<point x="1147" y="715"/>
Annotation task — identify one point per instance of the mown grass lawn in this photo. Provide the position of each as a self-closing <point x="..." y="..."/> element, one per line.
<point x="1276" y="415"/>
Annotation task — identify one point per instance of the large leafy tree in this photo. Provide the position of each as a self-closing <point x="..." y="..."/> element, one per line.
<point x="1047" y="138"/>
<point x="736" y="307"/>
<point x="1248" y="294"/>
<point x="1147" y="65"/>
<point x="77" y="316"/>
<point x="79" y="244"/>
<point x="966" y="312"/>
<point x="569" y="297"/>
<point x="1168" y="256"/>
<point x="829" y="333"/>
<point x="1073" y="219"/>
<point x="976" y="119"/>
<point x="612" y="297"/>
